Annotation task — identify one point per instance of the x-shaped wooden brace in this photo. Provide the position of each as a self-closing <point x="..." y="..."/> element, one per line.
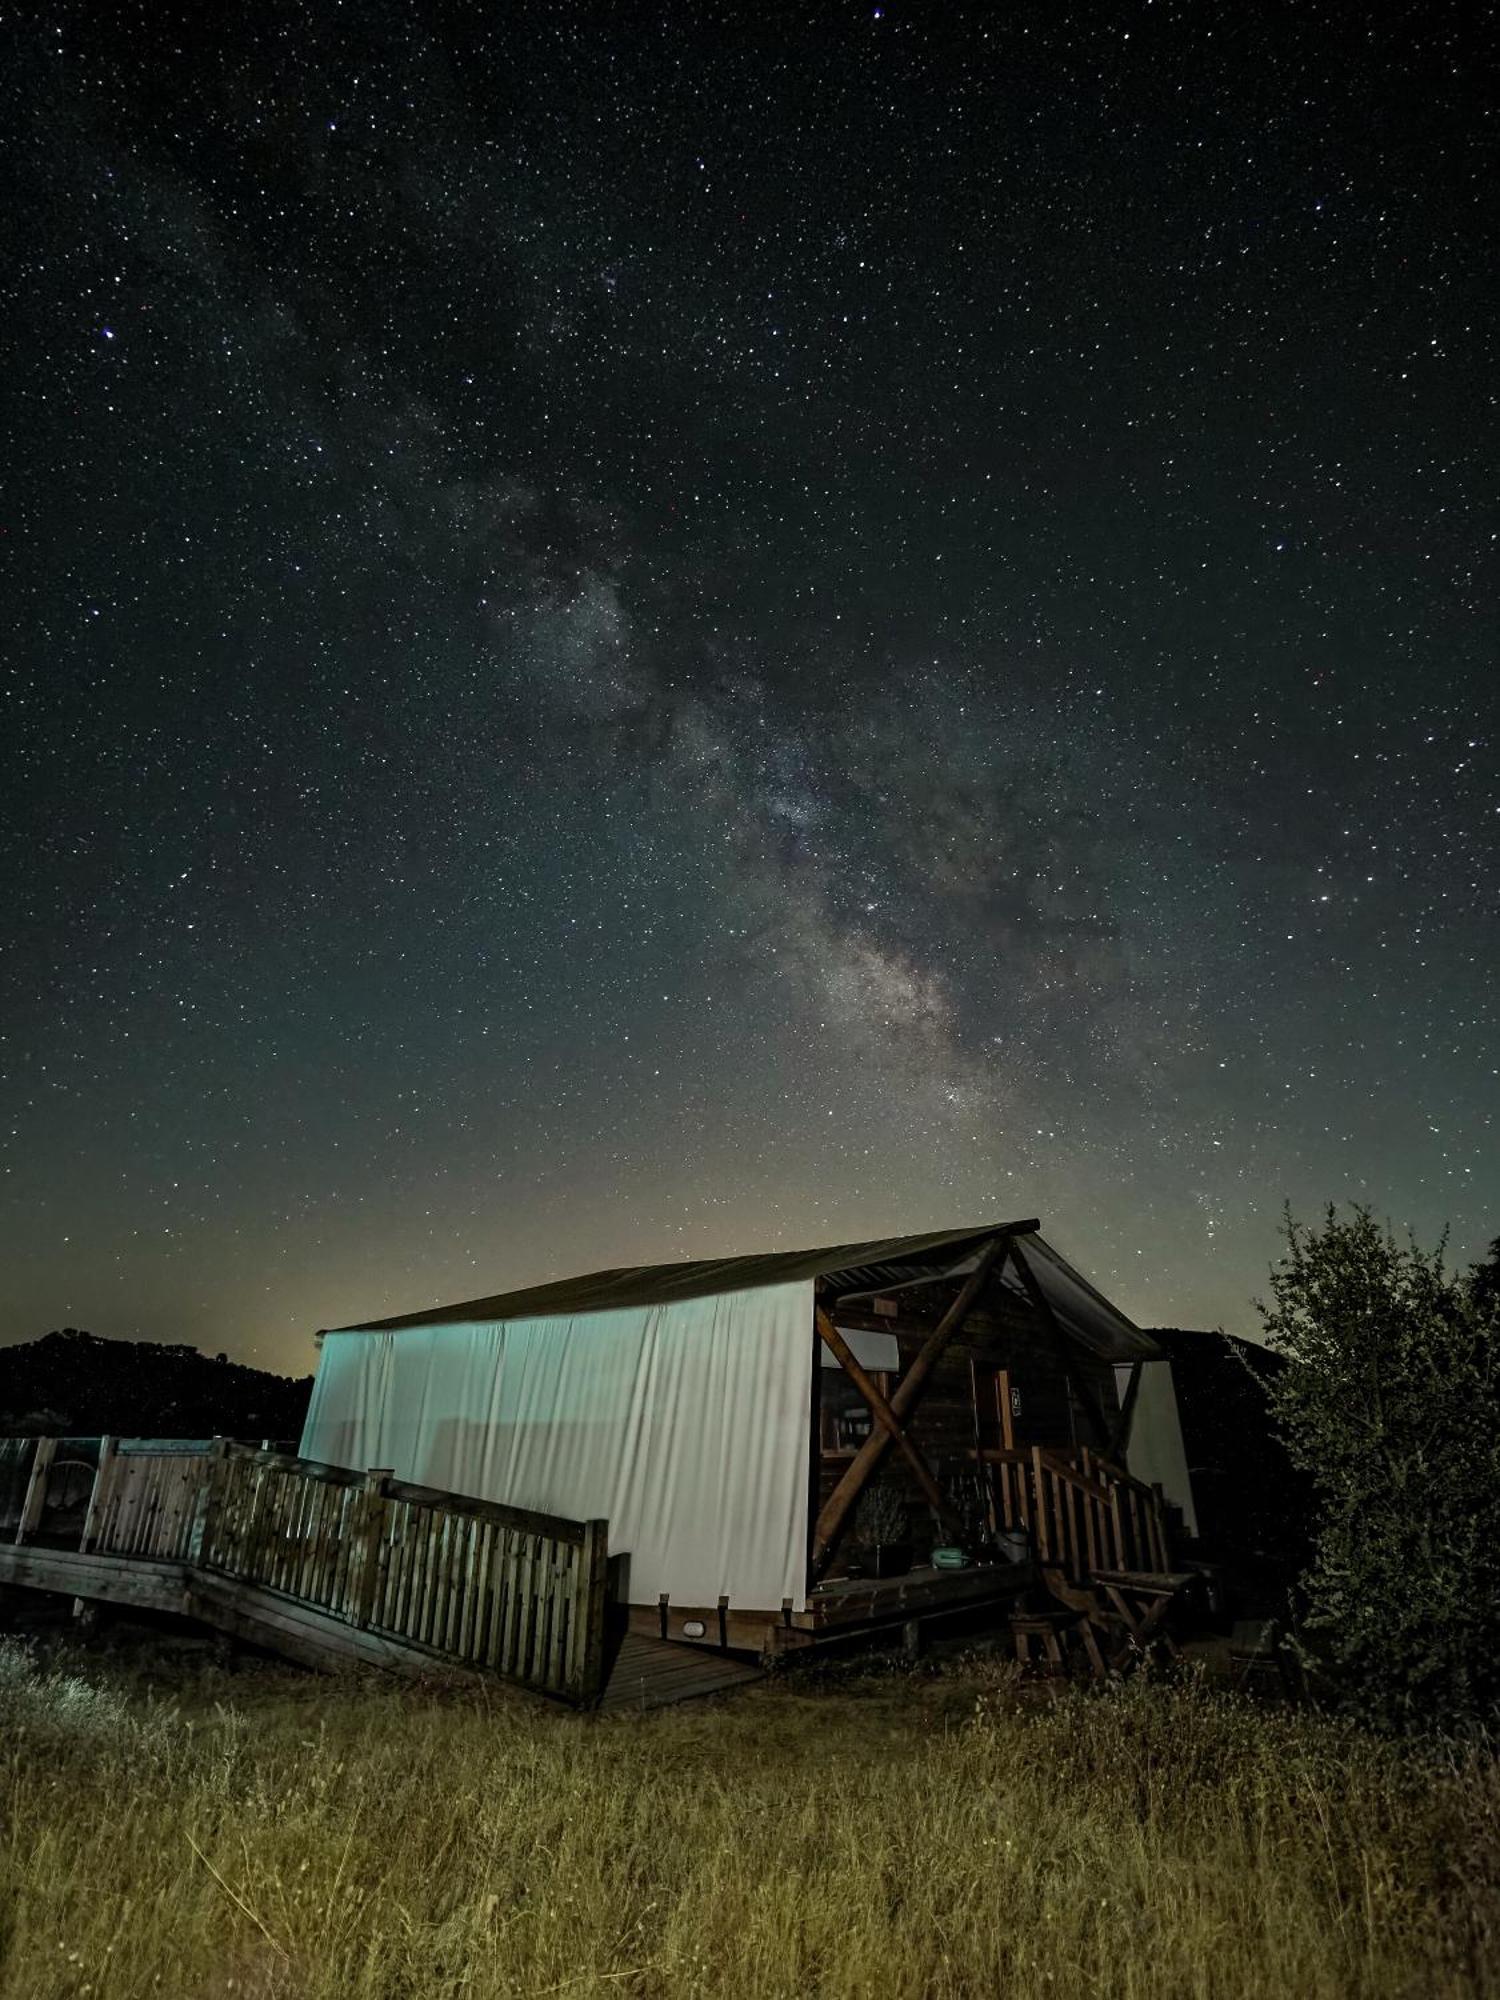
<point x="886" y="1417"/>
<point x="889" y="1427"/>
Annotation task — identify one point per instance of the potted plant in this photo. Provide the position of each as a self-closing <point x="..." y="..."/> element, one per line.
<point x="881" y="1522"/>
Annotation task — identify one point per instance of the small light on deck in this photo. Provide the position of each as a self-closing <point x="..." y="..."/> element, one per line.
<point x="693" y="1628"/>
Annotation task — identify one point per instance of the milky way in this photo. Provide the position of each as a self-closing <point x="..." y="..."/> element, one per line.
<point x="642" y="638"/>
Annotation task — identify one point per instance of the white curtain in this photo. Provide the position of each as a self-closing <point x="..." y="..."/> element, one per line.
<point x="685" y="1426"/>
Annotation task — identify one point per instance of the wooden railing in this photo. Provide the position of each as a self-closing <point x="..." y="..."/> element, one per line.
<point x="474" y="1583"/>
<point x="1081" y="1512"/>
<point x="488" y="1586"/>
<point x="146" y="1498"/>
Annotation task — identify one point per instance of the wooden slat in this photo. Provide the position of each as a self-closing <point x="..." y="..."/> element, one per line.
<point x="397" y="1513"/>
<point x="526" y="1622"/>
<point x="557" y="1638"/>
<point x="478" y="1554"/>
<point x="453" y="1544"/>
<point x="508" y="1653"/>
<point x="1039" y="1494"/>
<point x="484" y="1556"/>
<point x="426" y="1608"/>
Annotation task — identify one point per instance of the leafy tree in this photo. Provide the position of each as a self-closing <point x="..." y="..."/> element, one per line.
<point x="1484" y="1280"/>
<point x="1390" y="1402"/>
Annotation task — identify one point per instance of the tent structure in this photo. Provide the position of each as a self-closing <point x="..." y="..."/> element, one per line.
<point x="727" y="1416"/>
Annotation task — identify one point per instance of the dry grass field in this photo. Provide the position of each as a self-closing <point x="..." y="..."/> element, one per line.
<point x="273" y="1834"/>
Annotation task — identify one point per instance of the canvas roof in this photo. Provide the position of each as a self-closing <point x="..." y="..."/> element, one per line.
<point x="881" y="1265"/>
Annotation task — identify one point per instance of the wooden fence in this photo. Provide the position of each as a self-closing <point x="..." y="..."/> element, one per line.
<point x="499" y="1588"/>
<point x="479" y="1585"/>
<point x="1082" y="1512"/>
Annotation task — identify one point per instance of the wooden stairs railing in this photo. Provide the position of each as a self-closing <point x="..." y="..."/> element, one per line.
<point x="315" y="1559"/>
<point x="1082" y="1512"/>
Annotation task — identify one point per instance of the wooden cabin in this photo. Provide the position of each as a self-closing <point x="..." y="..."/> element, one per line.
<point x="792" y="1447"/>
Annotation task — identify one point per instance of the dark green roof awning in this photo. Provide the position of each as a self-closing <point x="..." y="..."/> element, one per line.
<point x="881" y="1265"/>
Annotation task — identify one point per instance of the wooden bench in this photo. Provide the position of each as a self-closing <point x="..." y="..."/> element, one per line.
<point x="1054" y="1632"/>
<point x="1141" y="1602"/>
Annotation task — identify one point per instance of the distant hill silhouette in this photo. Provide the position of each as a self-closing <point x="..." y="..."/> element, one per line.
<point x="73" y="1384"/>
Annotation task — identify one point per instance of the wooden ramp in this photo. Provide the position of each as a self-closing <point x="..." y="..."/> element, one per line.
<point x="653" y="1673"/>
<point x="260" y="1617"/>
<point x="335" y="1569"/>
<point x="328" y="1566"/>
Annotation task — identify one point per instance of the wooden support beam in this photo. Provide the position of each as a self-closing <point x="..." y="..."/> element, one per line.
<point x="886" y="1417"/>
<point x="908" y="1394"/>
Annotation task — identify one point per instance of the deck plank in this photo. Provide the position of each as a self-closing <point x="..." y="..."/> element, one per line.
<point x="652" y="1673"/>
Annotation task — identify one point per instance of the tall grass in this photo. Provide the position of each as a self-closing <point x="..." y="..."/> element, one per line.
<point x="275" y="1835"/>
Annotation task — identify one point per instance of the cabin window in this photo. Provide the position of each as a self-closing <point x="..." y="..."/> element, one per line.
<point x="875" y="1352"/>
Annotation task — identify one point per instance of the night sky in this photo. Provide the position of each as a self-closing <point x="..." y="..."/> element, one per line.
<point x="635" y="633"/>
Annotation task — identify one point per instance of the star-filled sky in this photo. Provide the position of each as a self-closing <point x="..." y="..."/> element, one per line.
<point x="637" y="633"/>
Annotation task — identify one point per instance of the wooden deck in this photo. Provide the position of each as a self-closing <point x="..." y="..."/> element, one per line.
<point x="332" y="1567"/>
<point x="335" y="1570"/>
<point x="923" y="1591"/>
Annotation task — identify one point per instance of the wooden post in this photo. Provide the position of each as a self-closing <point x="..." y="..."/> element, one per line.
<point x="593" y="1562"/>
<point x="367" y="1583"/>
<point x="36" y="1489"/>
<point x="227" y="1531"/>
<point x="1043" y="1523"/>
<point x="908" y="1392"/>
<point x="99" y="1497"/>
<point x="249" y="1545"/>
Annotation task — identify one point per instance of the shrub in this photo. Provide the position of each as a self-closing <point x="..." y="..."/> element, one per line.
<point x="1391" y="1403"/>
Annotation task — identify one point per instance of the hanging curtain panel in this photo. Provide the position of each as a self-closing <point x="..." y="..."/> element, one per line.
<point x="1155" y="1452"/>
<point x="684" y="1425"/>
